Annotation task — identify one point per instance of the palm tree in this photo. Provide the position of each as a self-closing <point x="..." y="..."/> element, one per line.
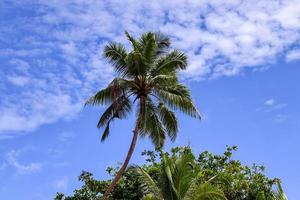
<point x="279" y="194"/>
<point x="147" y="77"/>
<point x="179" y="180"/>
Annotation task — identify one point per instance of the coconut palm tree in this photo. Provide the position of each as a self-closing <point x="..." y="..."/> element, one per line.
<point x="179" y="180"/>
<point x="146" y="77"/>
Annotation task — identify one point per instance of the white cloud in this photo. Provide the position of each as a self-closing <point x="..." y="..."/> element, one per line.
<point x="272" y="105"/>
<point x="19" y="167"/>
<point x="289" y="15"/>
<point x="293" y="55"/>
<point x="41" y="108"/>
<point x="58" y="63"/>
<point x="270" y="102"/>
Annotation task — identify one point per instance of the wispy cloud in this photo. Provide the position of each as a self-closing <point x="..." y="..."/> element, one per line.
<point x="12" y="160"/>
<point x="52" y="58"/>
<point x="272" y="104"/>
<point x="66" y="136"/>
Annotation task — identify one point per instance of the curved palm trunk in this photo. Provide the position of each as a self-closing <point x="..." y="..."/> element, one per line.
<point x="130" y="151"/>
<point x="124" y="166"/>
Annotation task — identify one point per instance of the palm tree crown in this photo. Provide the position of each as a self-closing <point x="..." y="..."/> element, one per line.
<point x="180" y="179"/>
<point x="147" y="77"/>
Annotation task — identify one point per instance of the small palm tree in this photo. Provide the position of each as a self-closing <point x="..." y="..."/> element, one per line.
<point x="279" y="194"/>
<point x="179" y="180"/>
<point x="147" y="77"/>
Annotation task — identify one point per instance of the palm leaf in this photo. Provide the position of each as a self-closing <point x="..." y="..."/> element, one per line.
<point x="120" y="108"/>
<point x="280" y="195"/>
<point x="135" y="44"/>
<point x="150" y="197"/>
<point x="178" y="99"/>
<point x="162" y="42"/>
<point x="184" y="172"/>
<point x="168" y="170"/>
<point x="151" y="124"/>
<point x="135" y="63"/>
<point x="104" y="96"/>
<point x="116" y="54"/>
<point x="163" y="79"/>
<point x="106" y="132"/>
<point x="148" y="183"/>
<point x="149" y="47"/>
<point x="169" y="121"/>
<point x="204" y="192"/>
<point x="116" y="88"/>
<point x="171" y="62"/>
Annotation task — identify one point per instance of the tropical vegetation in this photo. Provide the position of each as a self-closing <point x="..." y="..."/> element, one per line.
<point x="180" y="175"/>
<point x="146" y="79"/>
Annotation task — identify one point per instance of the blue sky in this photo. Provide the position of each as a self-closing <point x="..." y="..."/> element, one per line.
<point x="244" y="74"/>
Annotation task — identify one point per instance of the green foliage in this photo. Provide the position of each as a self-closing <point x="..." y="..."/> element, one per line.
<point x="180" y="175"/>
<point x="237" y="181"/>
<point x="128" y="188"/>
<point x="177" y="179"/>
<point x="147" y="76"/>
<point x="205" y="191"/>
<point x="279" y="194"/>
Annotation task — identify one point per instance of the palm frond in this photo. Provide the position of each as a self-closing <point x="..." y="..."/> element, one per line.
<point x="204" y="192"/>
<point x="173" y="61"/>
<point x="120" y="108"/>
<point x="149" y="48"/>
<point x="116" y="88"/>
<point x="150" y="197"/>
<point x="168" y="171"/>
<point x="171" y="181"/>
<point x="184" y="172"/>
<point x="151" y="124"/>
<point x="163" y="79"/>
<point x="169" y="121"/>
<point x="135" y="64"/>
<point x="178" y="98"/>
<point x="169" y="79"/>
<point x="116" y="54"/>
<point x="106" y="132"/>
<point x="280" y="195"/>
<point x="148" y="184"/>
<point x="135" y="43"/>
<point x="102" y="97"/>
<point x="162" y="42"/>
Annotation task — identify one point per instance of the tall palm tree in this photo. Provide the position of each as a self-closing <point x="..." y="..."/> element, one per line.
<point x="147" y="77"/>
<point x="179" y="180"/>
